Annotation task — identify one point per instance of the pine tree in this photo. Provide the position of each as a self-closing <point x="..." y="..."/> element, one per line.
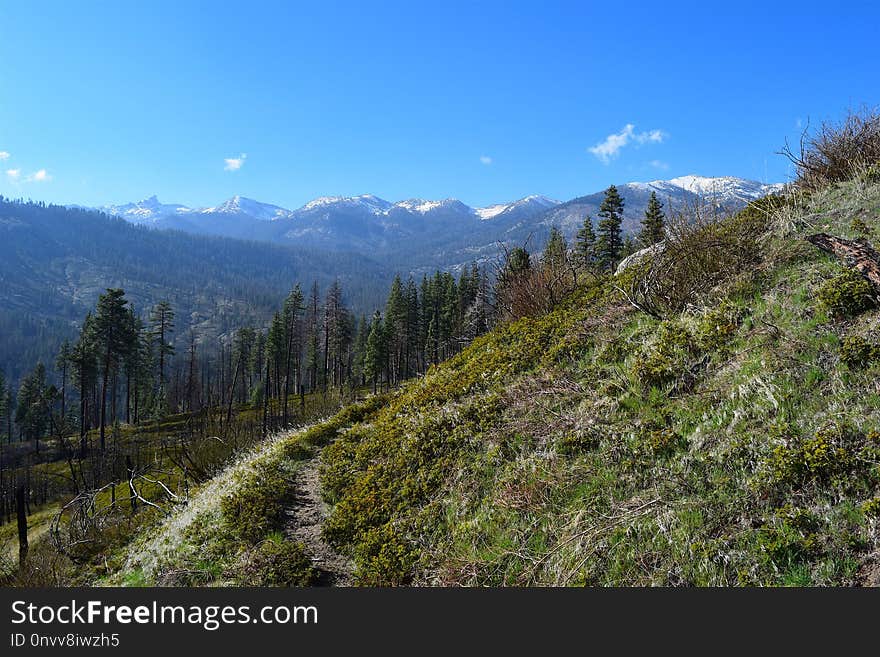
<point x="162" y="321"/>
<point x="275" y="349"/>
<point x="585" y="244"/>
<point x="192" y="390"/>
<point x="518" y="261"/>
<point x="31" y="415"/>
<point x="431" y="344"/>
<point x="426" y="314"/>
<point x="376" y="353"/>
<point x="62" y="363"/>
<point x="4" y="410"/>
<point x="413" y="345"/>
<point x="136" y="363"/>
<point x="293" y="306"/>
<point x="654" y="223"/>
<point x="449" y="316"/>
<point x="83" y="361"/>
<point x="313" y="351"/>
<point x="395" y="328"/>
<point x="242" y="344"/>
<point x="359" y="352"/>
<point x="114" y="337"/>
<point x="9" y="405"/>
<point x="556" y="251"/>
<point x="609" y="242"/>
<point x="514" y="274"/>
<point x="337" y="334"/>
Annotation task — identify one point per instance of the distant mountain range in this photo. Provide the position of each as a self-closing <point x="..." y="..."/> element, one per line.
<point x="422" y="234"/>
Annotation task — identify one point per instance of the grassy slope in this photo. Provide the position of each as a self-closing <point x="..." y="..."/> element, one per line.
<point x="728" y="445"/>
<point x="596" y="445"/>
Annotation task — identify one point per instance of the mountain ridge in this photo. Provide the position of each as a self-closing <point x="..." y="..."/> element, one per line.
<point x="416" y="233"/>
<point x="152" y="208"/>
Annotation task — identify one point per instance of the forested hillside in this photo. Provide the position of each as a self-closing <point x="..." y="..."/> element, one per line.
<point x="55" y="261"/>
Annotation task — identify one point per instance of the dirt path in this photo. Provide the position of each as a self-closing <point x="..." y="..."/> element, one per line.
<point x="304" y="521"/>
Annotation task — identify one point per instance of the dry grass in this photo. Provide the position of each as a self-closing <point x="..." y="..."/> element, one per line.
<point x="837" y="152"/>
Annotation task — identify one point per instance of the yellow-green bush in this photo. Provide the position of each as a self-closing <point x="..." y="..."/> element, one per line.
<point x="787" y="545"/>
<point x="257" y="506"/>
<point x="716" y="327"/>
<point x="277" y="562"/>
<point x="835" y="455"/>
<point x="856" y="352"/>
<point x="859" y="227"/>
<point x="871" y="508"/>
<point x="578" y="441"/>
<point x="666" y="357"/>
<point x="664" y="442"/>
<point x="846" y="295"/>
<point x="384" y="558"/>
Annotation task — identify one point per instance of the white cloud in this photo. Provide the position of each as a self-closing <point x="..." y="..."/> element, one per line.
<point x="659" y="164"/>
<point x="234" y="163"/>
<point x="485" y="159"/>
<point x="13" y="174"/>
<point x="607" y="149"/>
<point x="39" y="176"/>
<point x="4" y="155"/>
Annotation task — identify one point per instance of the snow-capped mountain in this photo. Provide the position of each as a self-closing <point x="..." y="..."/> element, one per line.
<point x="723" y="189"/>
<point x="147" y="211"/>
<point x="248" y="207"/>
<point x="366" y="202"/>
<point x="429" y="232"/>
<point x="534" y="203"/>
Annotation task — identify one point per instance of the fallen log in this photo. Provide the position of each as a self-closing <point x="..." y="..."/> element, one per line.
<point x="857" y="255"/>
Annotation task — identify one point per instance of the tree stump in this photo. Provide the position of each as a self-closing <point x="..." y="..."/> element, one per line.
<point x="857" y="255"/>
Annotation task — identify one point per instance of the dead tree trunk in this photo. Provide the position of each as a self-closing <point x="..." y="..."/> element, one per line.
<point x="856" y="255"/>
<point x="266" y="401"/>
<point x="21" y="512"/>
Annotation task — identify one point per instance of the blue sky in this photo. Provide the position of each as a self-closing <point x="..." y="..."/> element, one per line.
<point x="487" y="102"/>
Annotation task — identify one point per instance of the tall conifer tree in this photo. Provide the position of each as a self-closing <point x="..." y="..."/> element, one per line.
<point x="609" y="243"/>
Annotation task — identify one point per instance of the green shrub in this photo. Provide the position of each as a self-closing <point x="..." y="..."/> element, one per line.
<point x="384" y="558"/>
<point x="277" y="562"/>
<point x="578" y="442"/>
<point x="846" y="295"/>
<point x="257" y="506"/>
<point x="786" y="546"/>
<point x="612" y="351"/>
<point x="830" y="456"/>
<point x="871" y="508"/>
<point x="856" y="352"/>
<point x="716" y="328"/>
<point x="859" y="227"/>
<point x="664" y="442"/>
<point x="665" y="359"/>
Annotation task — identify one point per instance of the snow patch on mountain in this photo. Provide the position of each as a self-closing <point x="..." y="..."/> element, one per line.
<point x="719" y="189"/>
<point x="534" y="202"/>
<point x="492" y="211"/>
<point x="419" y="205"/>
<point x="249" y="207"/>
<point x="147" y="210"/>
<point x="372" y="204"/>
